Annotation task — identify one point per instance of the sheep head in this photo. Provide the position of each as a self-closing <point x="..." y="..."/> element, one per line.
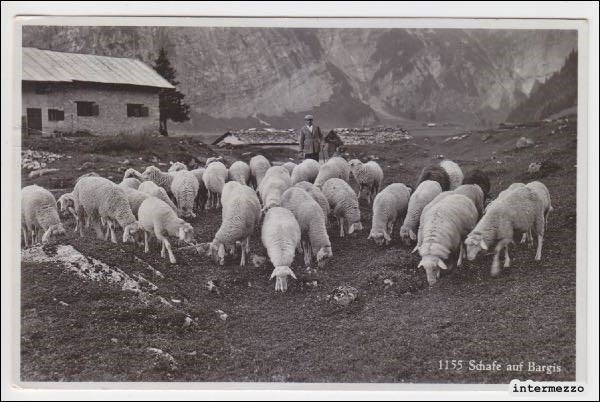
<point x="323" y="255"/>
<point x="53" y="230"/>
<point x="129" y="231"/>
<point x="217" y="252"/>
<point x="407" y="235"/>
<point x="475" y="243"/>
<point x="281" y="274"/>
<point x="186" y="232"/>
<point x="432" y="265"/>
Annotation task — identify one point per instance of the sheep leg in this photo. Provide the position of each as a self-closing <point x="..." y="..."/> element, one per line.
<point x="162" y="249"/>
<point x="495" y="271"/>
<point x="166" y="244"/>
<point x="146" y="248"/>
<point x="341" y="224"/>
<point x="25" y="234"/>
<point x="538" y="253"/>
<point x="506" y="257"/>
<point x="243" y="259"/>
<point x="460" y="255"/>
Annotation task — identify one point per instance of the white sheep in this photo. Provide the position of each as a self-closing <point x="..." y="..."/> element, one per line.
<point x="315" y="240"/>
<point x="316" y="193"/>
<point x="130" y="172"/>
<point x="423" y="195"/>
<point x="444" y="226"/>
<point x="335" y="167"/>
<point x="214" y="178"/>
<point x="185" y="189"/>
<point x="131" y="182"/>
<point x="521" y="210"/>
<point x="454" y="173"/>
<point x="258" y="167"/>
<point x="39" y="215"/>
<point x="369" y="177"/>
<point x="274" y="183"/>
<point x="389" y="206"/>
<point x="240" y="172"/>
<point x="307" y="170"/>
<point x="344" y="204"/>
<point x="280" y="235"/>
<point x="241" y="214"/>
<point x="135" y="198"/>
<point x="177" y="166"/>
<point x="158" y="219"/>
<point x="66" y="202"/>
<point x="290" y="166"/>
<point x="152" y="173"/>
<point x="151" y="188"/>
<point x="202" y="195"/>
<point x="101" y="199"/>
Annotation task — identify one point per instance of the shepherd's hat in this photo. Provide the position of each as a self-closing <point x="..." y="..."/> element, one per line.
<point x="308" y="117"/>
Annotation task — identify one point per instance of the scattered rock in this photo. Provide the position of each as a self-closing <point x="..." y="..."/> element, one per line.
<point x="525" y="142"/>
<point x="62" y="303"/>
<point x="388" y="282"/>
<point x="486" y="137"/>
<point x="86" y="165"/>
<point x="36" y="160"/>
<point x="192" y="353"/>
<point x="41" y="172"/>
<point x="222" y="315"/>
<point x="343" y="295"/>
<point x="187" y="322"/>
<point x="212" y="287"/>
<point x="126" y="162"/>
<point x="176" y="301"/>
<point x="162" y="360"/>
<point x="534" y="167"/>
<point x="258" y="260"/>
<point x="114" y="340"/>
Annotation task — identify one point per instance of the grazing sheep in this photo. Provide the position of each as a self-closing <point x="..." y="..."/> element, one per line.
<point x="369" y="177"/>
<point x="39" y="215"/>
<point x="158" y="218"/>
<point x="504" y="193"/>
<point x="435" y="173"/>
<point x="130" y="172"/>
<point x="315" y="239"/>
<point x="101" y="199"/>
<point x="316" y="193"/>
<point x="240" y="216"/>
<point x="444" y="226"/>
<point x="454" y="173"/>
<point x="275" y="182"/>
<point x="344" y="204"/>
<point x="66" y="202"/>
<point x="177" y="166"/>
<point x="520" y="210"/>
<point x="202" y="195"/>
<point x="335" y="167"/>
<point x="185" y="189"/>
<point x="151" y="188"/>
<point x="154" y="174"/>
<point x="130" y="182"/>
<point x="214" y="178"/>
<point x="240" y="172"/>
<point x="389" y="206"/>
<point x="307" y="170"/>
<point x="480" y="178"/>
<point x="290" y="166"/>
<point x="471" y="191"/>
<point x="423" y="195"/>
<point x="258" y="167"/>
<point x="280" y="235"/>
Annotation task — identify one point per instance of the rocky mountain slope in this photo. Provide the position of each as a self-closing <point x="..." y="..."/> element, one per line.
<point x="240" y="77"/>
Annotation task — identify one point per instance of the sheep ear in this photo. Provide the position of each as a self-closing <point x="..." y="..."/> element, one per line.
<point x="412" y="235"/>
<point x="483" y="245"/>
<point x="415" y="249"/>
<point x="441" y="264"/>
<point x="221" y="250"/>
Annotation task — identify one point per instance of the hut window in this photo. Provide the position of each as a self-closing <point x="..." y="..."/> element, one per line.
<point x="87" y="109"/>
<point x="136" y="110"/>
<point x="56" y="115"/>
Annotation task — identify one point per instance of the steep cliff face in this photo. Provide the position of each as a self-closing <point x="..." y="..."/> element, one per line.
<point x="236" y="77"/>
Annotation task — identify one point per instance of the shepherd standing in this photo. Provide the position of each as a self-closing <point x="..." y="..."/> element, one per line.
<point x="310" y="139"/>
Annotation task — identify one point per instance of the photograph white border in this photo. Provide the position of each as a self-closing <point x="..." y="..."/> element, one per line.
<point x="587" y="282"/>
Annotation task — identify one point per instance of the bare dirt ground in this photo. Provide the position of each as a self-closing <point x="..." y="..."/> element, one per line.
<point x="81" y="330"/>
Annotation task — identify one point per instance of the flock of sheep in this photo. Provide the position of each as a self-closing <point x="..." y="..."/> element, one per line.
<point x="445" y="214"/>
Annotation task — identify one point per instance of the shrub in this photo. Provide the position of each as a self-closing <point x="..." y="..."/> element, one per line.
<point x="124" y="142"/>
